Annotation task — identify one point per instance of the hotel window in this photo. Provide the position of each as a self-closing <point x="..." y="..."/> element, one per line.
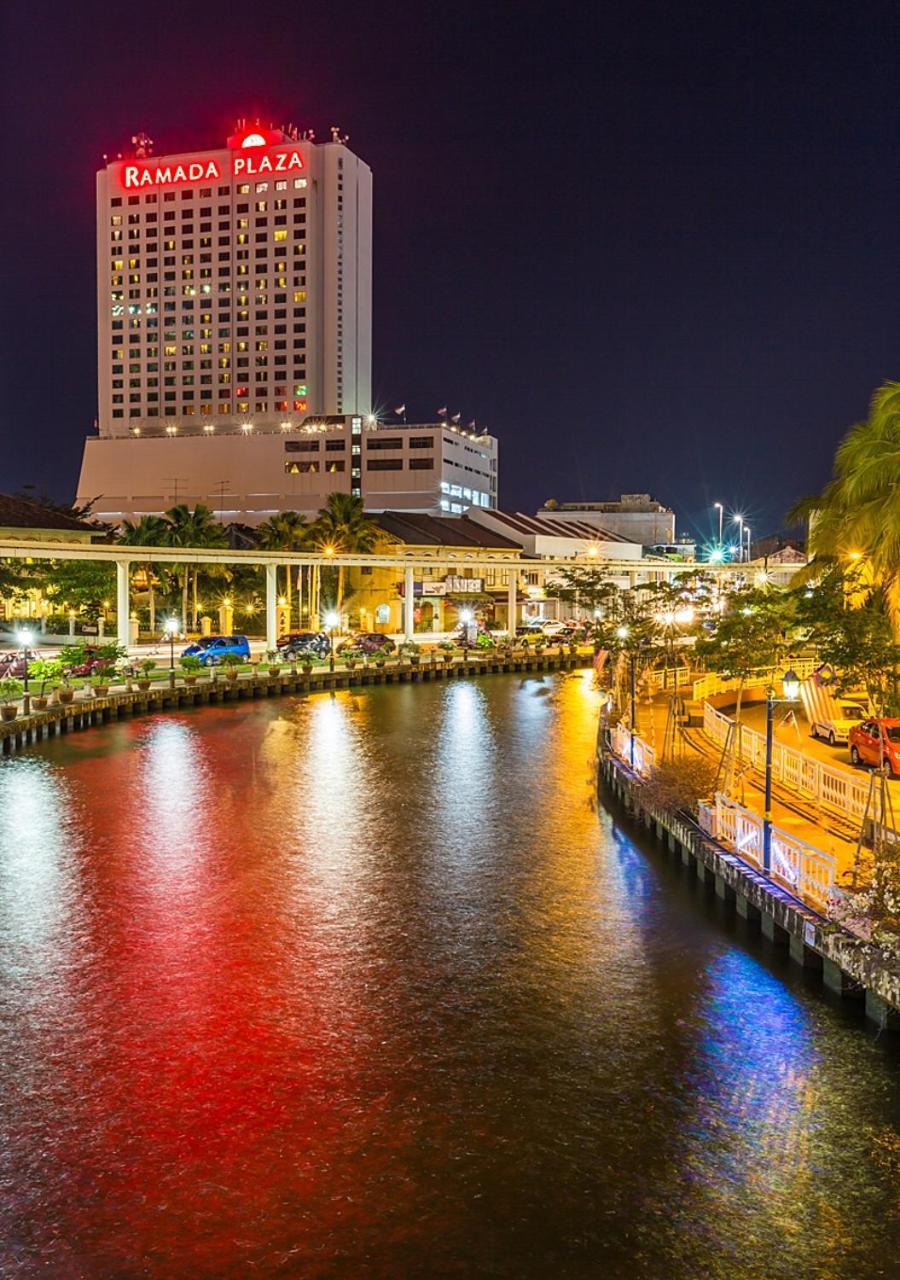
<point x="421" y="442"/>
<point x="386" y="442"/>
<point x="301" y="446"/>
<point x="421" y="464"/>
<point x="384" y="464"/>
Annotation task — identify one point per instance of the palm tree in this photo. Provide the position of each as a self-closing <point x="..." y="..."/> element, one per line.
<point x="342" y="525"/>
<point x="856" y="518"/>
<point x="287" y="531"/>
<point x="197" y="528"/>
<point x="149" y="531"/>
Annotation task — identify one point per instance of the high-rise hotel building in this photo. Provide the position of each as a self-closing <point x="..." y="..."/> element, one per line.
<point x="234" y="298"/>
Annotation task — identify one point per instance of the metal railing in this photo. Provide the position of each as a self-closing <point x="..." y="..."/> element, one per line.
<point x="835" y="789"/>
<point x="644" y="754"/>
<point x="712" y="683"/>
<point x="799" y="867"/>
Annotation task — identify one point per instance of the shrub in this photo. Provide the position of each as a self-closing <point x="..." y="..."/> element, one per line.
<point x="680" y="784"/>
<point x="190" y="663"/>
<point x="146" y="666"/>
<point x="10" y="690"/>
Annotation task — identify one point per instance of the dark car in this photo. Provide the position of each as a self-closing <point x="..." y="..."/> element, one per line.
<point x="13" y="663"/>
<point x="298" y="643"/>
<point x="367" y="642"/>
<point x="212" y="649"/>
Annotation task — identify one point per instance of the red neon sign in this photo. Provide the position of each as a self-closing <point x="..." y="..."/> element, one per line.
<point x="156" y="173"/>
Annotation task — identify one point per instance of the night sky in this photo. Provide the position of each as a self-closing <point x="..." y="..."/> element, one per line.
<point x="652" y="247"/>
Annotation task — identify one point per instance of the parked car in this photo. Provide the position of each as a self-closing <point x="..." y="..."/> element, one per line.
<point x="876" y="739"/>
<point x="212" y="649"/>
<point x="367" y="642"/>
<point x="532" y="628"/>
<point x="299" y="643"/>
<point x="553" y="628"/>
<point x="13" y="663"/>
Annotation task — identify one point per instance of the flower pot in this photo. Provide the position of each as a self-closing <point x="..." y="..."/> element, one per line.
<point x="414" y="659"/>
<point x="190" y="680"/>
<point x="67" y="695"/>
<point x="101" y="690"/>
<point x="143" y="685"/>
<point x="231" y="674"/>
<point x="9" y="713"/>
<point x="39" y="703"/>
<point x="274" y="671"/>
<point x="307" y="668"/>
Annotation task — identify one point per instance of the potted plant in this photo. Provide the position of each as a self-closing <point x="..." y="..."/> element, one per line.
<point x="10" y="692"/>
<point x="274" y="660"/>
<point x="381" y="657"/>
<point x="100" y="685"/>
<point x="145" y="667"/>
<point x="124" y="671"/>
<point x="410" y="650"/>
<point x="351" y="658"/>
<point x="65" y="693"/>
<point x="306" y="663"/>
<point x="191" y="666"/>
<point x="231" y="662"/>
<point x="43" y="670"/>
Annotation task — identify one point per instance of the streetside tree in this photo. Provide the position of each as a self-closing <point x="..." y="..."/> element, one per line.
<point x="857" y="515"/>
<point x="750" y="633"/>
<point x="848" y="622"/>
<point x="343" y="526"/>
<point x="286" y="531"/>
<point x="149" y="531"/>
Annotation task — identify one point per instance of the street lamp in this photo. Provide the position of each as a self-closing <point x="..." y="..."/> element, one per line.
<point x="332" y="621"/>
<point x="739" y="521"/>
<point x="622" y="633"/>
<point x="26" y="640"/>
<point x="466" y="618"/>
<point x="717" y="506"/>
<point x="790" y="687"/>
<point x="171" y="629"/>
<point x="747" y="531"/>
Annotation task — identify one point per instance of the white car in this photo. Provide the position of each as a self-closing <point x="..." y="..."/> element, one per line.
<point x="551" y="628"/>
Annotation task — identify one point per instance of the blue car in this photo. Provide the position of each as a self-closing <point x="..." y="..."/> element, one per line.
<point x="212" y="649"/>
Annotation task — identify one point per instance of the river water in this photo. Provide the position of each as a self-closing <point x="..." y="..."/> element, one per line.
<point x="369" y="986"/>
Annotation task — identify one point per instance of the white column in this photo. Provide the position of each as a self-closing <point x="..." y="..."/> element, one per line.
<point x="408" y="602"/>
<point x="271" y="605"/>
<point x="123" y="603"/>
<point x="511" y="604"/>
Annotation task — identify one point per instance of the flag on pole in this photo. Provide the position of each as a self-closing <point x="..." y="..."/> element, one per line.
<point x="401" y="408"/>
<point x="472" y="425"/>
<point x="442" y="413"/>
<point x="456" y="417"/>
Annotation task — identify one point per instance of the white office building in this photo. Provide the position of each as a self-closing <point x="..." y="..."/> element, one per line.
<point x="247" y="475"/>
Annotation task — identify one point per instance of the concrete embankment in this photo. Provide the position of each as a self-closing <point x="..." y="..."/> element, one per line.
<point x="856" y="970"/>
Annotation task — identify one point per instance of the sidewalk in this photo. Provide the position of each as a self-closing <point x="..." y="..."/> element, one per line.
<point x="651" y="726"/>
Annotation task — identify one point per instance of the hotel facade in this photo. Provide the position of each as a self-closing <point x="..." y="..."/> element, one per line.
<point x="234" y="305"/>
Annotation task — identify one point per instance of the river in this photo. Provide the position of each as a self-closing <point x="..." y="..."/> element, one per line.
<point x="369" y="985"/>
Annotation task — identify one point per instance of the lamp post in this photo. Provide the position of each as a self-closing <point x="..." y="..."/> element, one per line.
<point x="26" y="640"/>
<point x="172" y="625"/>
<point x="739" y="521"/>
<point x="622" y="633"/>
<point x="790" y="686"/>
<point x="466" y="618"/>
<point x="747" y="532"/>
<point x="332" y="621"/>
<point x="717" y="506"/>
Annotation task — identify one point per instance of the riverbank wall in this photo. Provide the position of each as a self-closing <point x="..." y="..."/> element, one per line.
<point x="87" y="709"/>
<point x="855" y="970"/>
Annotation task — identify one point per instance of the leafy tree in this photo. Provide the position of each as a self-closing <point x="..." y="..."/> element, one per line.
<point x="858" y="512"/>
<point x="149" y="531"/>
<point x="849" y="624"/>
<point x="81" y="585"/>
<point x="342" y="525"/>
<point x="287" y="531"/>
<point x="197" y="528"/>
<point x="750" y="633"/>
<point x="680" y="784"/>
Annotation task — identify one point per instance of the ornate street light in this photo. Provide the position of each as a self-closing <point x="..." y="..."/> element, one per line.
<point x="790" y="688"/>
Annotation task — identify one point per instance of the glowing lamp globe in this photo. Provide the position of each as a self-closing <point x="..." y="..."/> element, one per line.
<point x="790" y="685"/>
